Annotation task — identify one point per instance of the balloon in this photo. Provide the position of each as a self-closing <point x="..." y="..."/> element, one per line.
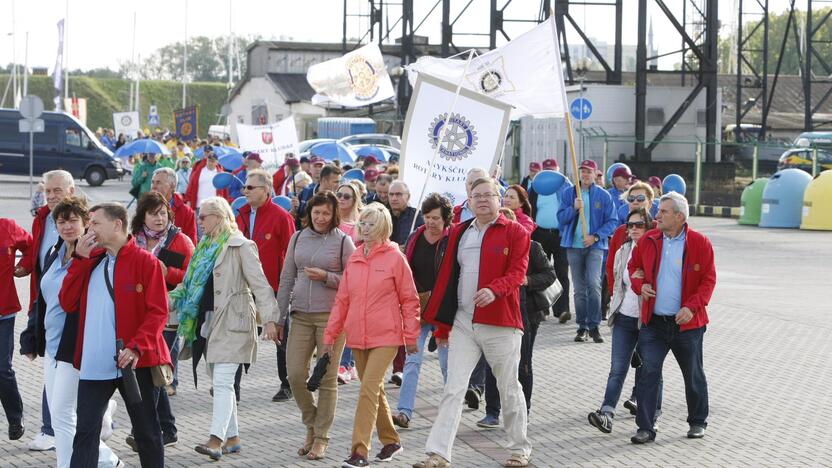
<point x="548" y="182"/>
<point x="612" y="169"/>
<point x="222" y="180"/>
<point x="283" y="202"/>
<point x="356" y="173"/>
<point x="238" y="203"/>
<point x="674" y="183"/>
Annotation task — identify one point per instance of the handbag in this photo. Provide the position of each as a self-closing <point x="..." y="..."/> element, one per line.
<point x="162" y="375"/>
<point x="547" y="297"/>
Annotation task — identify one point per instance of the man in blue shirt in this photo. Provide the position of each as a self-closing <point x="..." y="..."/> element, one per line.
<point x="585" y="248"/>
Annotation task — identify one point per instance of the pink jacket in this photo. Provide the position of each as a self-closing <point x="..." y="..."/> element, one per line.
<point x="525" y="221"/>
<point x="376" y="304"/>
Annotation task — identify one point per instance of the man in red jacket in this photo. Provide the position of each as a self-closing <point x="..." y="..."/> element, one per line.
<point x="673" y="270"/>
<point x="270" y="227"/>
<point x="164" y="182"/>
<point x="477" y="292"/>
<point x="130" y="305"/>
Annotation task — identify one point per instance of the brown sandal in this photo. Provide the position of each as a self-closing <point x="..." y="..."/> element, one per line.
<point x="318" y="450"/>
<point x="307" y="444"/>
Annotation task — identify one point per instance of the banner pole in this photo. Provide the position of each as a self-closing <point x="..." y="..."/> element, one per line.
<point x="574" y="158"/>
<point x="440" y="137"/>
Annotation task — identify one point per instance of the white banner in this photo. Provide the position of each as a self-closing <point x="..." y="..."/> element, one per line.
<point x="58" y="72"/>
<point x="475" y="138"/>
<point x="126" y="123"/>
<point x="526" y="73"/>
<point x="271" y="141"/>
<point x="357" y="79"/>
<point x="77" y="107"/>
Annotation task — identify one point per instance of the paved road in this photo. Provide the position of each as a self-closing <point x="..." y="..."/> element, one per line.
<point x="767" y="357"/>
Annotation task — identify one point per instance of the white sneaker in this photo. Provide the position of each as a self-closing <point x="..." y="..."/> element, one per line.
<point x="42" y="442"/>
<point x="107" y="420"/>
<point x="353" y="373"/>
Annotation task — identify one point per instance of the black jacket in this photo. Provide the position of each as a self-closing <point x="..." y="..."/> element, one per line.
<point x="66" y="347"/>
<point x="541" y="275"/>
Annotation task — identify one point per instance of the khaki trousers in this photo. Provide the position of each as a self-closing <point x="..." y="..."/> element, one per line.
<point x="306" y="334"/>
<point x="372" y="410"/>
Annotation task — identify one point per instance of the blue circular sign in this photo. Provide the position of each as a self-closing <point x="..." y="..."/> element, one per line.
<point x="581" y="108"/>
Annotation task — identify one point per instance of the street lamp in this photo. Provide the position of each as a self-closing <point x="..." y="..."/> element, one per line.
<point x="581" y="68"/>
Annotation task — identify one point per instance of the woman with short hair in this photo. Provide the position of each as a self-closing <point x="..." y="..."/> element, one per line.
<point x="392" y="306"/>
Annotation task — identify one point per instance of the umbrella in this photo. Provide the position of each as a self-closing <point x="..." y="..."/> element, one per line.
<point x="220" y="151"/>
<point x="231" y="161"/>
<point x="145" y="145"/>
<point x="238" y="203"/>
<point x="354" y="174"/>
<point x="283" y="202"/>
<point x="332" y="151"/>
<point x="378" y="153"/>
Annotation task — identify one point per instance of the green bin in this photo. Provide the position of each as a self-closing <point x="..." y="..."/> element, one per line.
<point x="751" y="202"/>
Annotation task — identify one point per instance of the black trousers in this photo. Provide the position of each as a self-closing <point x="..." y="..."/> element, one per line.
<point x="93" y="397"/>
<point x="550" y="241"/>
<point x="525" y="374"/>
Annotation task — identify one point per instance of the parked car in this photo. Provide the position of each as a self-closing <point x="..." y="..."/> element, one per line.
<point x="65" y="144"/>
<point x="801" y="158"/>
<point x="375" y="139"/>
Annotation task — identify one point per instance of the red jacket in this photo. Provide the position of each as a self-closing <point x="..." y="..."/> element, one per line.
<point x="458" y="212"/>
<point x="193" y="184"/>
<point x="183" y="217"/>
<point x="504" y="258"/>
<point x="180" y="244"/>
<point x="279" y="178"/>
<point x="12" y="238"/>
<point x="273" y="227"/>
<point x="141" y="301"/>
<point x="698" y="274"/>
<point x="29" y="260"/>
<point x="525" y="220"/>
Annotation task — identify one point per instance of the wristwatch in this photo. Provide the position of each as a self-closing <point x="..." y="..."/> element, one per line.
<point x="597" y="239"/>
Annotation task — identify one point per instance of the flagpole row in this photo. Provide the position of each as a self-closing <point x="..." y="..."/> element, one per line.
<point x="441" y="136"/>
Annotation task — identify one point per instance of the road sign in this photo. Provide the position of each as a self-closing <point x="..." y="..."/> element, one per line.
<point x="581" y="108"/>
<point x="153" y="119"/>
<point x="26" y="125"/>
<point x="31" y="107"/>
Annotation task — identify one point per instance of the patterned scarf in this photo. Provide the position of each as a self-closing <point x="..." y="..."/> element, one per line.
<point x="147" y="233"/>
<point x="186" y="299"/>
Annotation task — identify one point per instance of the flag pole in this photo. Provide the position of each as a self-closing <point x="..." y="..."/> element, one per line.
<point x="441" y="136"/>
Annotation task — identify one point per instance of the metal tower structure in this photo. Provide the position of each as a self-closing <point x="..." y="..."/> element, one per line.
<point x="563" y="17"/>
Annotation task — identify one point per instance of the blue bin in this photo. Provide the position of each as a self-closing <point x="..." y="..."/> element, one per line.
<point x="783" y="199"/>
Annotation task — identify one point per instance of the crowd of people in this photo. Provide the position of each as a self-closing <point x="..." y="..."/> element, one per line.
<point x="354" y="281"/>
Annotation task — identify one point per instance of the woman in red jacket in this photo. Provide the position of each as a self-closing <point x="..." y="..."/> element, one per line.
<point x="517" y="200"/>
<point x="377" y="320"/>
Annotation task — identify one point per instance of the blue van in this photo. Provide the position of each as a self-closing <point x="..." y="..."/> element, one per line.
<point x="64" y="144"/>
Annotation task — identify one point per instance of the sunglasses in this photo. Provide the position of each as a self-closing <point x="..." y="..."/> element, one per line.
<point x="345" y="196"/>
<point x="252" y="187"/>
<point x="638" y="198"/>
<point x="636" y="224"/>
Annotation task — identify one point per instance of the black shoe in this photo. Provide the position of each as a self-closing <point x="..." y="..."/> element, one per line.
<point x="596" y="335"/>
<point x="355" y="461"/>
<point x="432" y="344"/>
<point x="388" y="452"/>
<point x="397" y="378"/>
<point x="16" y="431"/>
<point x="284" y="394"/>
<point x="632" y="406"/>
<point x="696" y="432"/>
<point x="472" y="398"/>
<point x="565" y="316"/>
<point x="581" y="336"/>
<point x="169" y="439"/>
<point x="601" y="421"/>
<point x="643" y="437"/>
<point x="131" y="441"/>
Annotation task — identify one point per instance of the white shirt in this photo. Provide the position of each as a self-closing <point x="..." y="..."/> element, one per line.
<point x="468" y="256"/>
<point x="629" y="306"/>
<point x="206" y="185"/>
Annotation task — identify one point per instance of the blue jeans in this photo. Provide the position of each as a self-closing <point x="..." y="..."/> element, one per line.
<point x="346" y="358"/>
<point x="624" y="341"/>
<point x="586" y="266"/>
<point x="654" y="341"/>
<point x="412" y="366"/>
<point x="9" y="394"/>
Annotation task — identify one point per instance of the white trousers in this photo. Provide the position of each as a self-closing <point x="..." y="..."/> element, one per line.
<point x="224" y="419"/>
<point x="62" y="396"/>
<point x="501" y="347"/>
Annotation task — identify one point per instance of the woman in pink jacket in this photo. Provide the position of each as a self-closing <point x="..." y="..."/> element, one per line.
<point x="378" y="307"/>
<point x="517" y="200"/>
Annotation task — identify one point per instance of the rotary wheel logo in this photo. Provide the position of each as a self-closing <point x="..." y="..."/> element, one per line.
<point x="458" y="142"/>
<point x="363" y="78"/>
<point x="186" y="128"/>
<point x="490" y="81"/>
<point x="126" y="120"/>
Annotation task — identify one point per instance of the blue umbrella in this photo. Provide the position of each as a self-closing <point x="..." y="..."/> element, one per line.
<point x="332" y="151"/>
<point x="231" y="161"/>
<point x="354" y="174"/>
<point x="283" y="202"/>
<point x="145" y="145"/>
<point x="220" y="151"/>
<point x="238" y="203"/>
<point x="378" y="153"/>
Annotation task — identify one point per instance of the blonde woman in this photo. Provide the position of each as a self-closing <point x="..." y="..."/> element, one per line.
<point x="392" y="307"/>
<point x="349" y="208"/>
<point x="215" y="301"/>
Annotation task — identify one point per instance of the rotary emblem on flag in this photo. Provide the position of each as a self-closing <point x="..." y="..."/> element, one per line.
<point x="363" y="78"/>
<point x="458" y="141"/>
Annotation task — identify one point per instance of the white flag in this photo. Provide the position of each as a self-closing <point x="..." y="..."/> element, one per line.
<point x="475" y="137"/>
<point x="272" y="141"/>
<point x="58" y="73"/>
<point x="357" y="79"/>
<point x="525" y="73"/>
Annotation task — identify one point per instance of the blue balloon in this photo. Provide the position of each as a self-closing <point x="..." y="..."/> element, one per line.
<point x="222" y="180"/>
<point x="612" y="169"/>
<point x="356" y="174"/>
<point x="548" y="182"/>
<point x="283" y="202"/>
<point x="674" y="183"/>
<point x="238" y="203"/>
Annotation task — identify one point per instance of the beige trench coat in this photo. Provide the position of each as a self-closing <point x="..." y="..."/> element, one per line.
<point x="238" y="274"/>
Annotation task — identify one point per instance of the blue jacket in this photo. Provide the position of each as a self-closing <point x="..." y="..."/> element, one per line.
<point x="616" y="197"/>
<point x="602" y="216"/>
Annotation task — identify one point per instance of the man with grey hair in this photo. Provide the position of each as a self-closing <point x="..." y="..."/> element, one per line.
<point x="463" y="212"/>
<point x="164" y="181"/>
<point x="673" y="271"/>
<point x="402" y="214"/>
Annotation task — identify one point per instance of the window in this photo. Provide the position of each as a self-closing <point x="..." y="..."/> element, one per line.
<point x="73" y="137"/>
<point x="9" y="131"/>
<point x="655" y="116"/>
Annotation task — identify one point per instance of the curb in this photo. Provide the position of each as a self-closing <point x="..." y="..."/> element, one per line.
<point x="718" y="211"/>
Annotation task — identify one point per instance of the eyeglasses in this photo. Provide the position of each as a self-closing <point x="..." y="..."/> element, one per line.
<point x="636" y="224"/>
<point x="638" y="198"/>
<point x="483" y="196"/>
<point x="252" y="187"/>
<point x="345" y="196"/>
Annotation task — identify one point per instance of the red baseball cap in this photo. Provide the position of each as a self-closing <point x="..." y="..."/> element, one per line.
<point x="370" y="160"/>
<point x="255" y="157"/>
<point x="589" y="164"/>
<point x="550" y="164"/>
<point x="622" y="172"/>
<point x="317" y="160"/>
<point x="370" y="175"/>
<point x="654" y="181"/>
<point x="534" y="166"/>
<point x="292" y="162"/>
